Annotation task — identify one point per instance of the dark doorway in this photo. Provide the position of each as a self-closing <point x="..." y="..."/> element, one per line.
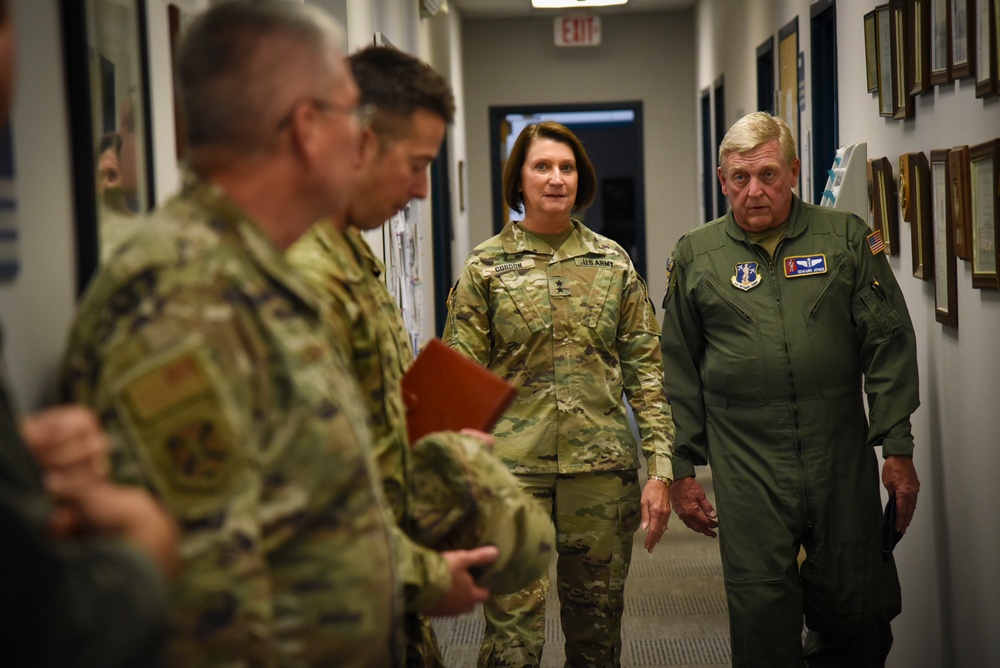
<point x="719" y="92"/>
<point x="442" y="235"/>
<point x="765" y="76"/>
<point x="707" y="157"/>
<point x="824" y="92"/>
<point x="612" y="135"/>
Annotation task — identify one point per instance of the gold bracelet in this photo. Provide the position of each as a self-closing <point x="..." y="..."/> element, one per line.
<point x="664" y="479"/>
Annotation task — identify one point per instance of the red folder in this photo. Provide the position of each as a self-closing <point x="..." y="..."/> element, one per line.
<point x="444" y="391"/>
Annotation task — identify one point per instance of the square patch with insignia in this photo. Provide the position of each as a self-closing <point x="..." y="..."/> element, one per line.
<point x="875" y="243"/>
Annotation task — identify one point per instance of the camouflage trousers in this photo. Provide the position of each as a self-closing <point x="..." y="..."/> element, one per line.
<point x="422" y="649"/>
<point x="595" y="515"/>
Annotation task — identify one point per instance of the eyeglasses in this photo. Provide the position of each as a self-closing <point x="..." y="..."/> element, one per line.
<point x="361" y="113"/>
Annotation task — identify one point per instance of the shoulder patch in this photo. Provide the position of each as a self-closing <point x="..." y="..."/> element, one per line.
<point x="875" y="243"/>
<point x="504" y="267"/>
<point x="164" y="387"/>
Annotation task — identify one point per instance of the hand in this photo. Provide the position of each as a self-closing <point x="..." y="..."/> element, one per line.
<point x="655" y="511"/>
<point x="900" y="476"/>
<point x="690" y="503"/>
<point x="103" y="509"/>
<point x="464" y="594"/>
<point x="68" y="441"/>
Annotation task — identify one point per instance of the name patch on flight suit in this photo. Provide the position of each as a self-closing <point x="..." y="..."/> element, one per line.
<point x="503" y="268"/>
<point x="746" y="276"/>
<point x="805" y="265"/>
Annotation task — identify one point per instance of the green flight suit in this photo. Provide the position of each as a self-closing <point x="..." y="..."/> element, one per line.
<point x="447" y="491"/>
<point x="572" y="330"/>
<point x="767" y="364"/>
<point x="87" y="602"/>
<point x="208" y="360"/>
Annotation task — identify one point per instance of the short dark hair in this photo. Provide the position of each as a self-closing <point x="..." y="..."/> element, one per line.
<point x="234" y="63"/>
<point x="109" y="140"/>
<point x="398" y="85"/>
<point x="586" y="187"/>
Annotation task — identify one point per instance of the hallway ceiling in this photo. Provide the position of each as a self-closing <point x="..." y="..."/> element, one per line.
<point x="519" y="8"/>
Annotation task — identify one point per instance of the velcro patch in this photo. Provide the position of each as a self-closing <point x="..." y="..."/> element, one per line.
<point x="596" y="262"/>
<point x="805" y="265"/>
<point x="875" y="243"/>
<point x="503" y="268"/>
<point x="162" y="388"/>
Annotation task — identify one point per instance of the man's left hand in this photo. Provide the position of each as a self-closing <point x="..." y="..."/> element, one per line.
<point x="899" y="476"/>
<point x="655" y="511"/>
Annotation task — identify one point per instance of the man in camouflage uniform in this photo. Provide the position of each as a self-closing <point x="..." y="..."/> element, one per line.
<point x="208" y="359"/>
<point x="448" y="491"/>
<point x="779" y="317"/>
<point x="572" y="329"/>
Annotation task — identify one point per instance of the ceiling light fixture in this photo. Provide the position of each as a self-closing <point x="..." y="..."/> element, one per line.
<point x="570" y="4"/>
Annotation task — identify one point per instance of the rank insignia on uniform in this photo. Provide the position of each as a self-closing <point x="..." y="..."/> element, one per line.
<point x="875" y="243"/>
<point x="746" y="276"/>
<point x="805" y="265"/>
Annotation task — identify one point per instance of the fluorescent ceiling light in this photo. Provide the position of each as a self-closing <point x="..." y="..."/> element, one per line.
<point x="568" y="4"/>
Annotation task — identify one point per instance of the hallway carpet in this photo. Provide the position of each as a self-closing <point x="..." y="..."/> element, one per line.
<point x="675" y="608"/>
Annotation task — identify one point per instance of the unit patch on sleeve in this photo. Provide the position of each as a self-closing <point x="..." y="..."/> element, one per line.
<point x="805" y="265"/>
<point x="875" y="243"/>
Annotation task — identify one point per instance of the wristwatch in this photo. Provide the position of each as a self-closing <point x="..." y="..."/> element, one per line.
<point x="662" y="478"/>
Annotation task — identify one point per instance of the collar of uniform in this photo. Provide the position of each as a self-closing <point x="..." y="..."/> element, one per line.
<point x="226" y="217"/>
<point x="796" y="226"/>
<point x="582" y="242"/>
<point x="343" y="265"/>
<point x="364" y="252"/>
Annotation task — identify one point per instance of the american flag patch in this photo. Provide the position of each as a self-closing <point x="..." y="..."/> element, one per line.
<point x="875" y="243"/>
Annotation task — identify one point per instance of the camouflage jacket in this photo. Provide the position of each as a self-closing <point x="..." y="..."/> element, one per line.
<point x="365" y="319"/>
<point x="572" y="331"/>
<point x="367" y="322"/>
<point x="211" y="367"/>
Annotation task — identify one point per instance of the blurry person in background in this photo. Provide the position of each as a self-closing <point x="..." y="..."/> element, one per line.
<point x="83" y="561"/>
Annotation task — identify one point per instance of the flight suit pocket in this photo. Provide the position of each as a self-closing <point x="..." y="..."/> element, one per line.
<point x="880" y="316"/>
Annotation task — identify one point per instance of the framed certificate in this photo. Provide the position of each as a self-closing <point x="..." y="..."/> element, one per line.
<point x="940" y="26"/>
<point x="945" y="290"/>
<point x="884" y="204"/>
<point x="884" y="41"/>
<point x="871" y="52"/>
<point x="902" y="102"/>
<point x="959" y="201"/>
<point x="915" y="198"/>
<point x="986" y="47"/>
<point x="918" y="46"/>
<point x="984" y="170"/>
<point x="963" y="38"/>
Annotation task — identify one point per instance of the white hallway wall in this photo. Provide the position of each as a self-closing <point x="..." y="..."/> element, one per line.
<point x="647" y="57"/>
<point x="948" y="559"/>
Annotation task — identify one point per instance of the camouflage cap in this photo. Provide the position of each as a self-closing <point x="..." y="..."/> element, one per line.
<point x="461" y="497"/>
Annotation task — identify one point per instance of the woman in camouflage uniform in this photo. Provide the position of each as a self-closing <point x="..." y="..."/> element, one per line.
<point x="560" y="313"/>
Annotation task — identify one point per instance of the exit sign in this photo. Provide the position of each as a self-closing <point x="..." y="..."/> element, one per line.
<point x="578" y="30"/>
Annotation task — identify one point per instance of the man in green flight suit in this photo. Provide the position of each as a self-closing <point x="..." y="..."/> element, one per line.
<point x="413" y="105"/>
<point x="779" y="318"/>
<point x="208" y="358"/>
